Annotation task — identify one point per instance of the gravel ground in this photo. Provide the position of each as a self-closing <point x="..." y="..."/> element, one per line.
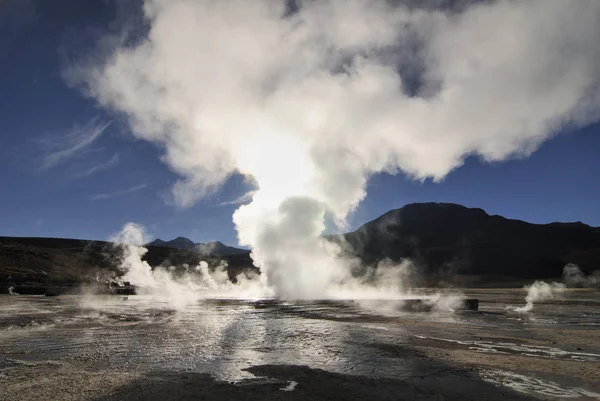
<point x="66" y="349"/>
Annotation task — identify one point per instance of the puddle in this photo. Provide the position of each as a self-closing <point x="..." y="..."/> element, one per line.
<point x="536" y="351"/>
<point x="529" y="385"/>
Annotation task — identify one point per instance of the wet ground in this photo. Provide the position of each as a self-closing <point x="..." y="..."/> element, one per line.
<point x="76" y="348"/>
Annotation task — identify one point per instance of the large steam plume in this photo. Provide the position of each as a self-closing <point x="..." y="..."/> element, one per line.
<point x="311" y="100"/>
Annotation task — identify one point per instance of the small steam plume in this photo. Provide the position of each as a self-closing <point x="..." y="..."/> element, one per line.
<point x="386" y="280"/>
<point x="11" y="290"/>
<point x="205" y="249"/>
<point x="540" y="291"/>
<point x="312" y="100"/>
<point x="574" y="277"/>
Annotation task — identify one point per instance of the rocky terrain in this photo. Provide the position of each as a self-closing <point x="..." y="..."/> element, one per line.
<point x="214" y="248"/>
<point x="448" y="240"/>
<point x="450" y="244"/>
<point x="33" y="263"/>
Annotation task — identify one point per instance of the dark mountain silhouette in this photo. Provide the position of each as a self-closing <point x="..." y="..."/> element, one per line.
<point x="214" y="248"/>
<point x="49" y="262"/>
<point x="217" y="248"/>
<point x="177" y="243"/>
<point x="448" y="239"/>
<point x="448" y="242"/>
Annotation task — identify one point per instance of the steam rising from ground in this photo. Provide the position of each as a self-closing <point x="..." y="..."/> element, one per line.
<point x="574" y="277"/>
<point x="309" y="101"/>
<point x="178" y="290"/>
<point x="540" y="291"/>
<point x="383" y="287"/>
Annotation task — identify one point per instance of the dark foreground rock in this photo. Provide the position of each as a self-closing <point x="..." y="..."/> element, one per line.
<point x="311" y="384"/>
<point x="271" y="381"/>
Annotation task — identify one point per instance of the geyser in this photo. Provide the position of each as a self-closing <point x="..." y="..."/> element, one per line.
<point x="311" y="101"/>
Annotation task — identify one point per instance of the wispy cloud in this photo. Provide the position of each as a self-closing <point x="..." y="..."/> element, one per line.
<point x="246" y="198"/>
<point x="113" y="161"/>
<point x="109" y="195"/>
<point x="59" y="149"/>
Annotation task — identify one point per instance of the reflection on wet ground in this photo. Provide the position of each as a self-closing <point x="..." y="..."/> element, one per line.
<point x="553" y="351"/>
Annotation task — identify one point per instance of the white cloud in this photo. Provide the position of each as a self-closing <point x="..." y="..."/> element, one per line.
<point x="108" y="195"/>
<point x="311" y="105"/>
<point x="59" y="149"/>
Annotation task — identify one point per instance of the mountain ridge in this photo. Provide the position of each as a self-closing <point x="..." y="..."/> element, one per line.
<point x="462" y="240"/>
<point x="212" y="248"/>
<point x="50" y="262"/>
<point x="444" y="241"/>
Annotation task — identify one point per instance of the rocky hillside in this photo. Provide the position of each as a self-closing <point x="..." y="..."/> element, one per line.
<point x="214" y="248"/>
<point x="448" y="239"/>
<point x="67" y="262"/>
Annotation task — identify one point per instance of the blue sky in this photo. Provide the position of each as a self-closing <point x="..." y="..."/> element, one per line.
<point x="70" y="169"/>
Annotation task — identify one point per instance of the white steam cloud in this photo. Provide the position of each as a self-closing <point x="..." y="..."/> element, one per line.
<point x="382" y="288"/>
<point x="311" y="102"/>
<point x="574" y="277"/>
<point x="540" y="291"/>
<point x="178" y="290"/>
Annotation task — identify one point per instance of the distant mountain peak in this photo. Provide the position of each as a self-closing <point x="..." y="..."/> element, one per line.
<point x="212" y="248"/>
<point x="156" y="242"/>
<point x="454" y="238"/>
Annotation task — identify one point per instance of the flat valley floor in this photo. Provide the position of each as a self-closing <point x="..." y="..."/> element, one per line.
<point x="110" y="348"/>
